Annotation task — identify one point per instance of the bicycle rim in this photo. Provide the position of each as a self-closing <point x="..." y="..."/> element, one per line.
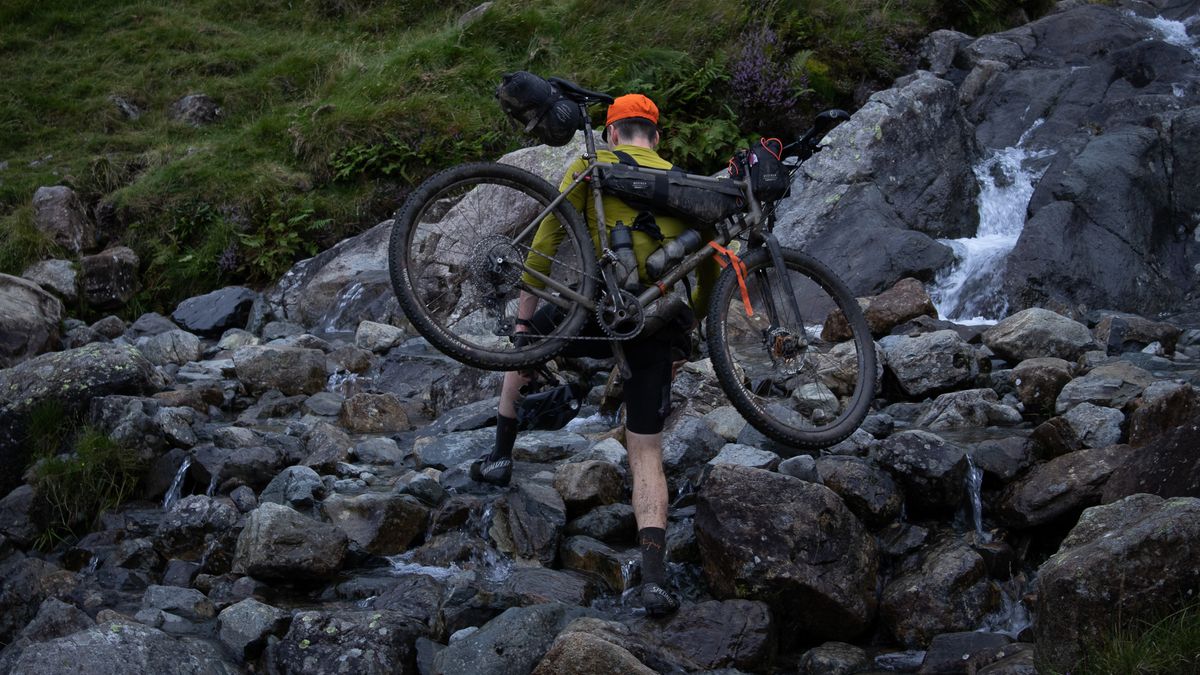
<point x="803" y="381"/>
<point x="457" y="262"/>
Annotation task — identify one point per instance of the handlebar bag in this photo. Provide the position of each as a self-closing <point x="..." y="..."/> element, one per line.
<point x="769" y="178"/>
<point x="672" y="192"/>
<point x="539" y="107"/>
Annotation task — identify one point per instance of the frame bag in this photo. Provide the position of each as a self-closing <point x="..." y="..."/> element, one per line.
<point x="539" y="107"/>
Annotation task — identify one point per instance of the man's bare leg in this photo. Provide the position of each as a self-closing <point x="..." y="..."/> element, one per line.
<point x="650" y="510"/>
<point x="496" y="466"/>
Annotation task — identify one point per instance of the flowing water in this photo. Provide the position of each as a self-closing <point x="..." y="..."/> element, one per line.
<point x="173" y="492"/>
<point x="974" y="489"/>
<point x="1172" y="32"/>
<point x="1012" y="617"/>
<point x="329" y="324"/>
<point x="970" y="291"/>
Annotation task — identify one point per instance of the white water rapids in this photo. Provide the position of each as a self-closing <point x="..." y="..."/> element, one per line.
<point x="970" y="291"/>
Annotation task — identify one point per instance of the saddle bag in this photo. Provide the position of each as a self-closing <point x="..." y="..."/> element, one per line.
<point x="539" y="107"/>
<point x="672" y="192"/>
<point x="769" y="178"/>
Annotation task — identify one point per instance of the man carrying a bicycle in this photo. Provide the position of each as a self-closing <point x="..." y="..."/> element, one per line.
<point x="631" y="128"/>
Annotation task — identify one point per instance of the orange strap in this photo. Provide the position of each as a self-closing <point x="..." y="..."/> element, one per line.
<point x="725" y="258"/>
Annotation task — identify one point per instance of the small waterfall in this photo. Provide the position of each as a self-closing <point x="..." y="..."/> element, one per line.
<point x="1172" y="32"/>
<point x="344" y="383"/>
<point x="974" y="489"/>
<point x="1012" y="616"/>
<point x="212" y="486"/>
<point x="92" y="566"/>
<point x="173" y="492"/>
<point x="345" y="298"/>
<point x="970" y="291"/>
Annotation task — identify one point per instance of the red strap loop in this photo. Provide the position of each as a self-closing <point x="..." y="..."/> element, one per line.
<point x="725" y="258"/>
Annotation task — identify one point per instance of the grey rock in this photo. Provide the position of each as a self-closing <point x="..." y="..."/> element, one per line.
<point x="54" y="619"/>
<point x="373" y="414"/>
<point x="291" y="370"/>
<point x="1121" y="332"/>
<point x="1167" y="466"/>
<point x="279" y="543"/>
<point x="513" y="642"/>
<point x="422" y="486"/>
<point x="610" y="524"/>
<point x="835" y="658"/>
<point x="588" y="484"/>
<point x="21" y="516"/>
<point x="454" y="448"/>
<point x="279" y="330"/>
<point x="383" y="524"/>
<point x="1137" y="554"/>
<point x="803" y="467"/>
<point x="56" y="276"/>
<point x="235" y="338"/>
<point x="931" y="471"/>
<point x="324" y="403"/>
<point x="571" y="649"/>
<point x="115" y="647"/>
<point x="1111" y="385"/>
<point x="712" y="635"/>
<point x="726" y="422"/>
<point x="1039" y="382"/>
<point x="188" y="603"/>
<point x="243" y="498"/>
<point x="29" y="320"/>
<point x="374" y="642"/>
<point x="377" y="337"/>
<point x="58" y="213"/>
<point x="757" y="541"/>
<point x="930" y="363"/>
<point x="127" y="108"/>
<point x="196" y="110"/>
<point x="867" y="490"/>
<point x="528" y="522"/>
<point x="24" y="585"/>
<point x="1060" y="487"/>
<point x="1095" y="426"/>
<point x="745" y="455"/>
<point x="948" y="652"/>
<point x="948" y="592"/>
<point x="547" y="446"/>
<point x="379" y="450"/>
<point x="970" y="408"/>
<point x="213" y="313"/>
<point x="1003" y="458"/>
<point x="246" y="625"/>
<point x="150" y="323"/>
<point x="296" y="486"/>
<point x="193" y="525"/>
<point x="175" y="346"/>
<point x="176" y="425"/>
<point x="1163" y="406"/>
<point x="689" y="445"/>
<point x="597" y="559"/>
<point x="1038" y="333"/>
<point x="109" y="279"/>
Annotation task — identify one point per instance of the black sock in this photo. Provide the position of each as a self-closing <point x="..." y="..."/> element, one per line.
<point x="653" y="542"/>
<point x="506" y="436"/>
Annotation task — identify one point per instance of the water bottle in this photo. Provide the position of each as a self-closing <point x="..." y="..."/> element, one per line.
<point x="672" y="252"/>
<point x="621" y="240"/>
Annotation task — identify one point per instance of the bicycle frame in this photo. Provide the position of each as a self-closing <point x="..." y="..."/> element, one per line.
<point x="751" y="221"/>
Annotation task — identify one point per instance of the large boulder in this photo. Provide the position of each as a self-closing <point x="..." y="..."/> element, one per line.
<point x="949" y="591"/>
<point x="864" y="207"/>
<point x="513" y="642"/>
<point x="791" y="544"/>
<point x="246" y="626"/>
<point x="213" y="313"/>
<point x="710" y="635"/>
<point x="291" y="370"/>
<point x="70" y="379"/>
<point x="383" y="524"/>
<point x="571" y="650"/>
<point x="279" y="543"/>
<point x="930" y="363"/>
<point x="173" y="346"/>
<point x="56" y="276"/>
<point x="1131" y="561"/>
<point x="30" y="320"/>
<point x="931" y="471"/>
<point x="24" y="584"/>
<point x="116" y="647"/>
<point x="903" y="302"/>
<point x="1111" y="385"/>
<point x="1061" y="487"/>
<point x="109" y="278"/>
<point x="1168" y="466"/>
<point x="1161" y="407"/>
<point x="970" y="408"/>
<point x="375" y="642"/>
<point x="58" y="214"/>
<point x="1039" y="382"/>
<point x="1038" y="333"/>
<point x="869" y="491"/>
<point x="528" y="522"/>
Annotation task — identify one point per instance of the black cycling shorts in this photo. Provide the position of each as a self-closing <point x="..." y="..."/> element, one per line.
<point x="648" y="392"/>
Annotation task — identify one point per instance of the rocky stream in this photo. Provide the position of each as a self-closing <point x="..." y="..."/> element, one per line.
<point x="1029" y="472"/>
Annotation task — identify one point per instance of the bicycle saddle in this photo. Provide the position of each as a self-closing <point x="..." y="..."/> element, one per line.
<point x="579" y="94"/>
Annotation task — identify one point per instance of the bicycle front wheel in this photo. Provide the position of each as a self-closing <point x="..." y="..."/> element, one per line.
<point x="458" y="261"/>
<point x="805" y="381"/>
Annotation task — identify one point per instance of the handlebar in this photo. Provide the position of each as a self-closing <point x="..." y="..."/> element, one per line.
<point x="810" y="142"/>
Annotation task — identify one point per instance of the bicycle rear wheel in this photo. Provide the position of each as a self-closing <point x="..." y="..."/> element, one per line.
<point x="808" y="381"/>
<point x="457" y="262"/>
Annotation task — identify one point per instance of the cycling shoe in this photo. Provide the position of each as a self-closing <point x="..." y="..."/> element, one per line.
<point x="658" y="601"/>
<point x="498" y="472"/>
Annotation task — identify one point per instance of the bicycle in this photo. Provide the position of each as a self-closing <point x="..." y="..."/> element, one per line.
<point x="792" y="351"/>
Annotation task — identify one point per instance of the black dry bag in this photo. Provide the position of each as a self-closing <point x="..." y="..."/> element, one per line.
<point x="769" y="178"/>
<point x="539" y="107"/>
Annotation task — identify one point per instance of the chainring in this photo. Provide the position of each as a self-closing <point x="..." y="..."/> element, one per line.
<point x="621" y="320"/>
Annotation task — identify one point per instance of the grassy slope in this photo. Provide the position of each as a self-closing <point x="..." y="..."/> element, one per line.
<point x="334" y="108"/>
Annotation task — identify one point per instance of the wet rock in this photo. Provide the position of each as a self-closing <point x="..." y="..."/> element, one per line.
<point x="688" y="445"/>
<point x="422" y="486"/>
<point x="109" y="279"/>
<point x="381" y="450"/>
<point x="803" y="467"/>
<point x="1134" y="559"/>
<point x="867" y="490"/>
<point x="252" y="465"/>
<point x="571" y="650"/>
<point x="1038" y="333"/>
<point x="1015" y="659"/>
<point x="351" y="358"/>
<point x="176" y="425"/>
<point x="930" y="363"/>
<point x="726" y="422"/>
<point x="324" y="403"/>
<point x="129" y="421"/>
<point x="1053" y="438"/>
<point x="596" y="558"/>
<point x="1121" y="332"/>
<point x="538" y="585"/>
<point x="29" y="320"/>
<point x="150" y="323"/>
<point x="930" y="471"/>
<point x="188" y="603"/>
<point x="246" y="625"/>
<point x="1095" y="426"/>
<point x="1111" y="385"/>
<point x="610" y="524"/>
<point x="834" y="658"/>
<point x="377" y="337"/>
<point x="374" y="414"/>
<point x="291" y="370"/>
<point x="279" y="543"/>
<point x="1039" y="382"/>
<point x="1162" y="407"/>
<point x="56" y="276"/>
<point x="176" y="346"/>
<point x="58" y="214"/>
<point x="196" y="109"/>
<point x="383" y="524"/>
<point x="374" y="642"/>
<point x="949" y="591"/>
<point x="528" y="522"/>
<point x="326" y="446"/>
<point x="468" y="417"/>
<point x="949" y="652"/>
<point x="213" y="313"/>
<point x="902" y="302"/>
<point x="1168" y="466"/>
<point x="513" y="642"/>
<point x="1003" y="458"/>
<point x="759" y="539"/>
<point x="547" y="446"/>
<point x="745" y="455"/>
<point x="858" y="444"/>
<point x="969" y="408"/>
<point x="455" y="448"/>
<point x="588" y="484"/>
<point x="1062" y="486"/>
<point x="193" y="524"/>
<point x="121" y="646"/>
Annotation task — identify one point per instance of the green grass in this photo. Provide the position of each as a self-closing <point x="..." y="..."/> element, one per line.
<point x="334" y="109"/>
<point x="1169" y="646"/>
